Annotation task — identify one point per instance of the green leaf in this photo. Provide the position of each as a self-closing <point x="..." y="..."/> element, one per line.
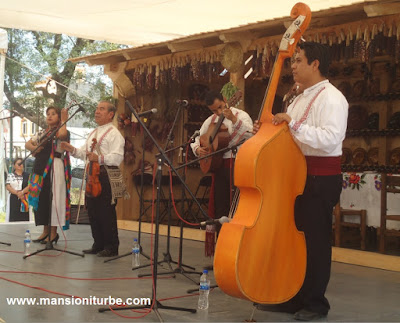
<point x="228" y="90"/>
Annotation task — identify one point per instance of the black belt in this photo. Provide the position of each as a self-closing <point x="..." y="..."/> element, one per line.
<point x="58" y="155"/>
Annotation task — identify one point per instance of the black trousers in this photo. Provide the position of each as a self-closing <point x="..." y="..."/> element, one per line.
<point x="222" y="193"/>
<point x="103" y="217"/>
<point x="222" y="197"/>
<point x="313" y="215"/>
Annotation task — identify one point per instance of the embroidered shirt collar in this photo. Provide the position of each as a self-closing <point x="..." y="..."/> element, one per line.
<point x="314" y="87"/>
<point x="104" y="125"/>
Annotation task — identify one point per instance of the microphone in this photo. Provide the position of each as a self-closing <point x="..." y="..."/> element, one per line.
<point x="83" y="110"/>
<point x="222" y="219"/>
<point x="184" y="103"/>
<point x="195" y="134"/>
<point x="141" y="114"/>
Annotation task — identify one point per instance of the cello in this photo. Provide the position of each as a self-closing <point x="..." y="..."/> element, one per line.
<point x="260" y="255"/>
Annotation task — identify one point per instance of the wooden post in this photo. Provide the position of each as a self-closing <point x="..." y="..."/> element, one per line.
<point x="383" y="147"/>
<point x="382" y="229"/>
<point x="238" y="80"/>
<point x="363" y="229"/>
<point x="121" y="81"/>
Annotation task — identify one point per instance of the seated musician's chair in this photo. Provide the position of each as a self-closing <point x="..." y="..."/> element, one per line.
<point x="202" y="194"/>
<point x="339" y="214"/>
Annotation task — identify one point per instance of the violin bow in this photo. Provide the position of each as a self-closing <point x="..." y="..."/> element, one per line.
<point x="80" y="191"/>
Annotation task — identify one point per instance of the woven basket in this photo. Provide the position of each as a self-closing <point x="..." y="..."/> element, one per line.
<point x="232" y="57"/>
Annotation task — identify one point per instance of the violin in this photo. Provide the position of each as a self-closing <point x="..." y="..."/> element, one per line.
<point x="260" y="255"/>
<point x="93" y="185"/>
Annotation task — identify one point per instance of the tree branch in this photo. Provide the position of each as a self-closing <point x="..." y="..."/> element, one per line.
<point x="57" y="42"/>
<point x="39" y="46"/>
<point x="18" y="107"/>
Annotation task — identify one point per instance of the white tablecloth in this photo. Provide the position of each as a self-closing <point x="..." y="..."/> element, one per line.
<point x="363" y="191"/>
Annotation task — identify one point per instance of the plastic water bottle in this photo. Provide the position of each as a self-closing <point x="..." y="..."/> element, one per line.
<point x="204" y="291"/>
<point x="27" y="243"/>
<point x="135" y="254"/>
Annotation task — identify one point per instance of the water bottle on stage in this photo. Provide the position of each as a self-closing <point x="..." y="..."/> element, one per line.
<point x="135" y="254"/>
<point x="204" y="291"/>
<point x="27" y="243"/>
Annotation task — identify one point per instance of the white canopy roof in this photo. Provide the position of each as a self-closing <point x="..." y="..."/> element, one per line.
<point x="137" y="22"/>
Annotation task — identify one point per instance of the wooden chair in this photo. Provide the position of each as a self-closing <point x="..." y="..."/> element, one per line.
<point x="390" y="184"/>
<point x="339" y="214"/>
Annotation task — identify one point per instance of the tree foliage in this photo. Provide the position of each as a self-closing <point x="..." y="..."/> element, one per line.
<point x="47" y="54"/>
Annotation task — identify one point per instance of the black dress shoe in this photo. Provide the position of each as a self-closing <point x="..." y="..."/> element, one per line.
<point x="305" y="315"/>
<point x="91" y="251"/>
<point x="107" y="253"/>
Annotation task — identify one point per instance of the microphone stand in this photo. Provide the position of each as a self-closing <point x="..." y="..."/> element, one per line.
<point x="180" y="269"/>
<point x="170" y="140"/>
<point x="180" y="266"/>
<point x="49" y="244"/>
<point x="234" y="149"/>
<point x="161" y="160"/>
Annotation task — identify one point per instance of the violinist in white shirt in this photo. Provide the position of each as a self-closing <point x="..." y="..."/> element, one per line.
<point x="104" y="145"/>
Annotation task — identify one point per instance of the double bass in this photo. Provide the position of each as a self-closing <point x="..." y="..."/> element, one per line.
<point x="260" y="255"/>
<point x="216" y="138"/>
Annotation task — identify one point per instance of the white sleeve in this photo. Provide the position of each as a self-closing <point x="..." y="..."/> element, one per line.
<point x="114" y="146"/>
<point x="243" y="128"/>
<point x="203" y="130"/>
<point x="80" y="152"/>
<point x="331" y="131"/>
<point x="9" y="179"/>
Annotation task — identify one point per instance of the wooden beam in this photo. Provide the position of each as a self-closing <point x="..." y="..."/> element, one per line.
<point x="128" y="55"/>
<point x="382" y="9"/>
<point x="188" y="233"/>
<point x="155" y="59"/>
<point x="244" y="38"/>
<point x="104" y="61"/>
<point x="183" y="46"/>
<point x="366" y="259"/>
<point x="121" y="81"/>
